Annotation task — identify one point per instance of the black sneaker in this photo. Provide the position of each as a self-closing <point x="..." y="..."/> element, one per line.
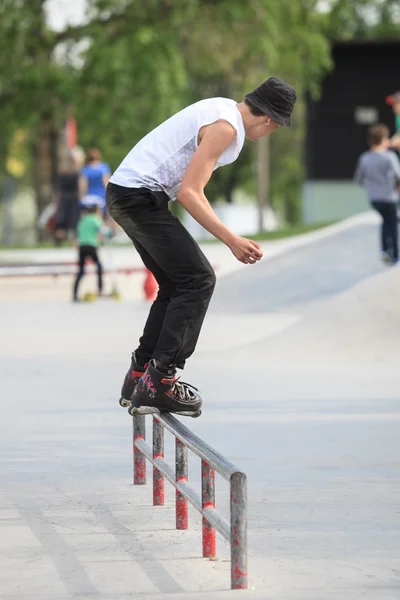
<point x="157" y="392"/>
<point x="131" y="378"/>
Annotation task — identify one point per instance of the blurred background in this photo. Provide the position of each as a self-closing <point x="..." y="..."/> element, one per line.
<point x="76" y="74"/>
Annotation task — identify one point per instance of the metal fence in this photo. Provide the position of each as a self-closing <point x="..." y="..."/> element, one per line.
<point x="211" y="461"/>
<point x="57" y="269"/>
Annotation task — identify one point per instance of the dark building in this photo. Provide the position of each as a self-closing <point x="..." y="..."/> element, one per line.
<point x="353" y="98"/>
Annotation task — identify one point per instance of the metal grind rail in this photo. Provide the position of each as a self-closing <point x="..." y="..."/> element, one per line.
<point x="56" y="269"/>
<point x="211" y="461"/>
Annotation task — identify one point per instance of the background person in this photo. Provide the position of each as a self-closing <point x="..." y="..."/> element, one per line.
<point x="394" y="102"/>
<point x="88" y="238"/>
<point x="378" y="170"/>
<point x="67" y="198"/>
<point x="95" y="176"/>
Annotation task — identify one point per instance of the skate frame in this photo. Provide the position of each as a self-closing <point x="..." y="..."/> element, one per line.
<point x="211" y="461"/>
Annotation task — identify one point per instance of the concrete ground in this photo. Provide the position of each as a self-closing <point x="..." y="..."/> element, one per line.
<point x="298" y="367"/>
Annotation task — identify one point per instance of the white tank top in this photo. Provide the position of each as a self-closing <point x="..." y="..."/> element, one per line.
<point x="159" y="161"/>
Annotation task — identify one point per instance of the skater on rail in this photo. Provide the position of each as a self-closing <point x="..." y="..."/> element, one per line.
<point x="174" y="162"/>
<point x="378" y="170"/>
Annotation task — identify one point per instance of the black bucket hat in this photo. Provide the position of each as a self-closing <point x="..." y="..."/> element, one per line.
<point x="275" y="98"/>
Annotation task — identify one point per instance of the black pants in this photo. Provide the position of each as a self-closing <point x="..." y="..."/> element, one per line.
<point x="84" y="253"/>
<point x="389" y="231"/>
<point x="185" y="277"/>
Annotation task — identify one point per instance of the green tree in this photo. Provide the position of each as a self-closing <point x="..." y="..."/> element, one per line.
<point x="357" y="19"/>
<point x="223" y="48"/>
<point x="132" y="64"/>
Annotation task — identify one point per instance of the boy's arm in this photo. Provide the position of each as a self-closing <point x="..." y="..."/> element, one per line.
<point x="215" y="140"/>
<point x="394" y="159"/>
<point x="359" y="173"/>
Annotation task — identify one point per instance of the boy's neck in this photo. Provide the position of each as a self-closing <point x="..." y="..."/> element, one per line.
<point x="380" y="148"/>
<point x="244" y="113"/>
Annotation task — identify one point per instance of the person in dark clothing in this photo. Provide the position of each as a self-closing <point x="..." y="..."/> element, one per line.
<point x="67" y="196"/>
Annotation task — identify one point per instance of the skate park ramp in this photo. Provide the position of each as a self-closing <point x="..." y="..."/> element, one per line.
<point x="360" y="325"/>
<point x="305" y="275"/>
<point x="298" y="368"/>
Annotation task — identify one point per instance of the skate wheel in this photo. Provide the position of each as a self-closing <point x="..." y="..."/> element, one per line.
<point x="196" y="415"/>
<point x="89" y="297"/>
<point x="124" y="402"/>
<point x="116" y="295"/>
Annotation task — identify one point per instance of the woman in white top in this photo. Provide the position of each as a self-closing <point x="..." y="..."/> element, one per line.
<point x="174" y="162"/>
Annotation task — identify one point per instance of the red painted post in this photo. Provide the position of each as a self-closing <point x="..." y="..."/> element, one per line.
<point x="139" y="460"/>
<point x="158" y="452"/>
<point x="181" y="474"/>
<point x="208" y="501"/>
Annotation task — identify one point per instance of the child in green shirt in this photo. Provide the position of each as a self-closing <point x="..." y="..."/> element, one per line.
<point x="88" y="238"/>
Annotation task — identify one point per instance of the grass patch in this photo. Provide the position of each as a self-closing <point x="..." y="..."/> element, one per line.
<point x="41" y="246"/>
<point x="289" y="231"/>
<point x="285" y="232"/>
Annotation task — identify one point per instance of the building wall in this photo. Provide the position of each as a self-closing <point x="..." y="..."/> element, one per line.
<point x="353" y="97"/>
<point x="325" y="201"/>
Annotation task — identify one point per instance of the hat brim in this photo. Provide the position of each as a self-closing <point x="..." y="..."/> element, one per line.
<point x="267" y="110"/>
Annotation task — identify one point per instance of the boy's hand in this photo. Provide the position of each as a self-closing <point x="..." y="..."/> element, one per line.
<point x="246" y="251"/>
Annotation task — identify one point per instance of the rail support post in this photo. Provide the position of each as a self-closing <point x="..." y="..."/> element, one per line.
<point x="181" y="474"/>
<point x="139" y="460"/>
<point x="238" y="531"/>
<point x="158" y="452"/>
<point x="234" y="532"/>
<point x="208" y="501"/>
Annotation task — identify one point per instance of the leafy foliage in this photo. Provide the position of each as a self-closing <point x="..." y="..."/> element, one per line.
<point x="132" y="64"/>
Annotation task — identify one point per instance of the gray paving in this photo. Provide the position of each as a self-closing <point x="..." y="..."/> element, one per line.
<point x="306" y="275"/>
<point x="319" y="443"/>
